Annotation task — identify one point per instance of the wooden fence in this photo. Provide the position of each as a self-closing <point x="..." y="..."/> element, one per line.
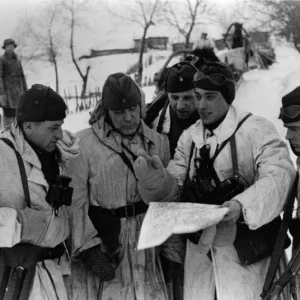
<point x="87" y="102"/>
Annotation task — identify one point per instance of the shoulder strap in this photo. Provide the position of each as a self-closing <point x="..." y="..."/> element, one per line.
<point x="127" y="161"/>
<point x="22" y="169"/>
<point x="226" y="141"/>
<point x="189" y="165"/>
<point x="234" y="156"/>
<point x="162" y="118"/>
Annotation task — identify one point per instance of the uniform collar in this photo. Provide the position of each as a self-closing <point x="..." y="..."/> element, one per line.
<point x="112" y="138"/>
<point x="222" y="132"/>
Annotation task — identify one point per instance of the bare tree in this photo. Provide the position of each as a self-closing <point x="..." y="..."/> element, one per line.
<point x="281" y="17"/>
<point x="141" y="12"/>
<point x="44" y="35"/>
<point x="74" y="9"/>
<point x="239" y="13"/>
<point x="185" y="16"/>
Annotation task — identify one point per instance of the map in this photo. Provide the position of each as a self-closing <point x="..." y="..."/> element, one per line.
<point x="167" y="218"/>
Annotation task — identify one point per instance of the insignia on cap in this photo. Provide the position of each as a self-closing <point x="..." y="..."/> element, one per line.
<point x="180" y="78"/>
<point x="124" y="100"/>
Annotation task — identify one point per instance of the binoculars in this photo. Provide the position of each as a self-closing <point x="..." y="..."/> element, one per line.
<point x="60" y="193"/>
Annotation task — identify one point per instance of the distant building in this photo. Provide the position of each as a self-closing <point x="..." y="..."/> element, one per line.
<point x="152" y="43"/>
<point x="181" y="46"/>
<point x="260" y="37"/>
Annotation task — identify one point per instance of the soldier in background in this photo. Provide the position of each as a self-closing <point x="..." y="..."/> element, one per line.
<point x="12" y="81"/>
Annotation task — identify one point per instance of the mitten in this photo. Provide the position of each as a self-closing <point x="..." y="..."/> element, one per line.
<point x="99" y="263"/>
<point x="154" y="182"/>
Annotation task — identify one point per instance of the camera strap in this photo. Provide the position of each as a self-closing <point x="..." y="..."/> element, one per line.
<point x="21" y="167"/>
<point x="232" y="141"/>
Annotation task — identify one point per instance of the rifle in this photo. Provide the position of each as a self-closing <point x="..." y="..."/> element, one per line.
<point x="269" y="287"/>
<point x="292" y="270"/>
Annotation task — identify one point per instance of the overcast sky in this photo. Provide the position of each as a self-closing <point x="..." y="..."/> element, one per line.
<point x="105" y="30"/>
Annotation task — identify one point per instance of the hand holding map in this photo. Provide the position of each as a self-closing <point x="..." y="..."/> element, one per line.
<point x="167" y="218"/>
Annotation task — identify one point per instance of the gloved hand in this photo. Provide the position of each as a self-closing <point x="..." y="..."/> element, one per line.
<point x="207" y="238"/>
<point x="3" y="101"/>
<point x="149" y="170"/>
<point x="154" y="182"/>
<point x="100" y="263"/>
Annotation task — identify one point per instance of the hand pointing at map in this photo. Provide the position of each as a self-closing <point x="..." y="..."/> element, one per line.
<point x="152" y="177"/>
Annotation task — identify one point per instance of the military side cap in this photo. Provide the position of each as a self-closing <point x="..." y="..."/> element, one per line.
<point x="120" y="92"/>
<point x="180" y="78"/>
<point x="40" y="103"/>
<point x="9" y="42"/>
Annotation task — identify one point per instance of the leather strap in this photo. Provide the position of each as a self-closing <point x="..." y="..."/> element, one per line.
<point x="22" y="170"/>
<point x="226" y="141"/>
<point x="162" y="118"/>
<point x="128" y="211"/>
<point x="189" y="165"/>
<point x="211" y="161"/>
<point x="234" y="158"/>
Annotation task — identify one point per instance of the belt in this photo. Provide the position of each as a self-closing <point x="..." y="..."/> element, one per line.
<point x="52" y="253"/>
<point x="128" y="211"/>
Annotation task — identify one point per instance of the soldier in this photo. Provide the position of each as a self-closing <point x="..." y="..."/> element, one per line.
<point x="107" y="211"/>
<point x="12" y="81"/>
<point x="34" y="223"/>
<point x="241" y="157"/>
<point x="179" y="112"/>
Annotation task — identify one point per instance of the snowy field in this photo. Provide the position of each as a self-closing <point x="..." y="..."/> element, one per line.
<point x="260" y="92"/>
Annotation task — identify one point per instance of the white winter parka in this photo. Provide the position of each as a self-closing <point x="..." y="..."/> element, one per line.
<point x="101" y="178"/>
<point x="37" y="225"/>
<point x="266" y="169"/>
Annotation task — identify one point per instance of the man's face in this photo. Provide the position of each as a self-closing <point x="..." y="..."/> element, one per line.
<point x="126" y="121"/>
<point x="183" y="103"/>
<point x="9" y="48"/>
<point x="44" y="135"/>
<point x="293" y="136"/>
<point x="211" y="106"/>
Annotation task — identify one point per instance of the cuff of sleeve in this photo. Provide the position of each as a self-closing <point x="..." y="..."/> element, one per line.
<point x="32" y="225"/>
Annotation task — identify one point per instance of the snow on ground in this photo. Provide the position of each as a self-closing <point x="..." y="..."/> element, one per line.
<point x="260" y="92"/>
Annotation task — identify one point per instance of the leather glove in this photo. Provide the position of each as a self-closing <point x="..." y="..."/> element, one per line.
<point x="101" y="264"/>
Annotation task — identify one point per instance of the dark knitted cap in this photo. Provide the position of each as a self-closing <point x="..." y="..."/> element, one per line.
<point x="180" y="78"/>
<point x="40" y="103"/>
<point x="120" y="92"/>
<point x="227" y="89"/>
<point x="290" y="99"/>
<point x="9" y="42"/>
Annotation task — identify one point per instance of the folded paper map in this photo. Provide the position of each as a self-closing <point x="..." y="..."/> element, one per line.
<point x="164" y="219"/>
